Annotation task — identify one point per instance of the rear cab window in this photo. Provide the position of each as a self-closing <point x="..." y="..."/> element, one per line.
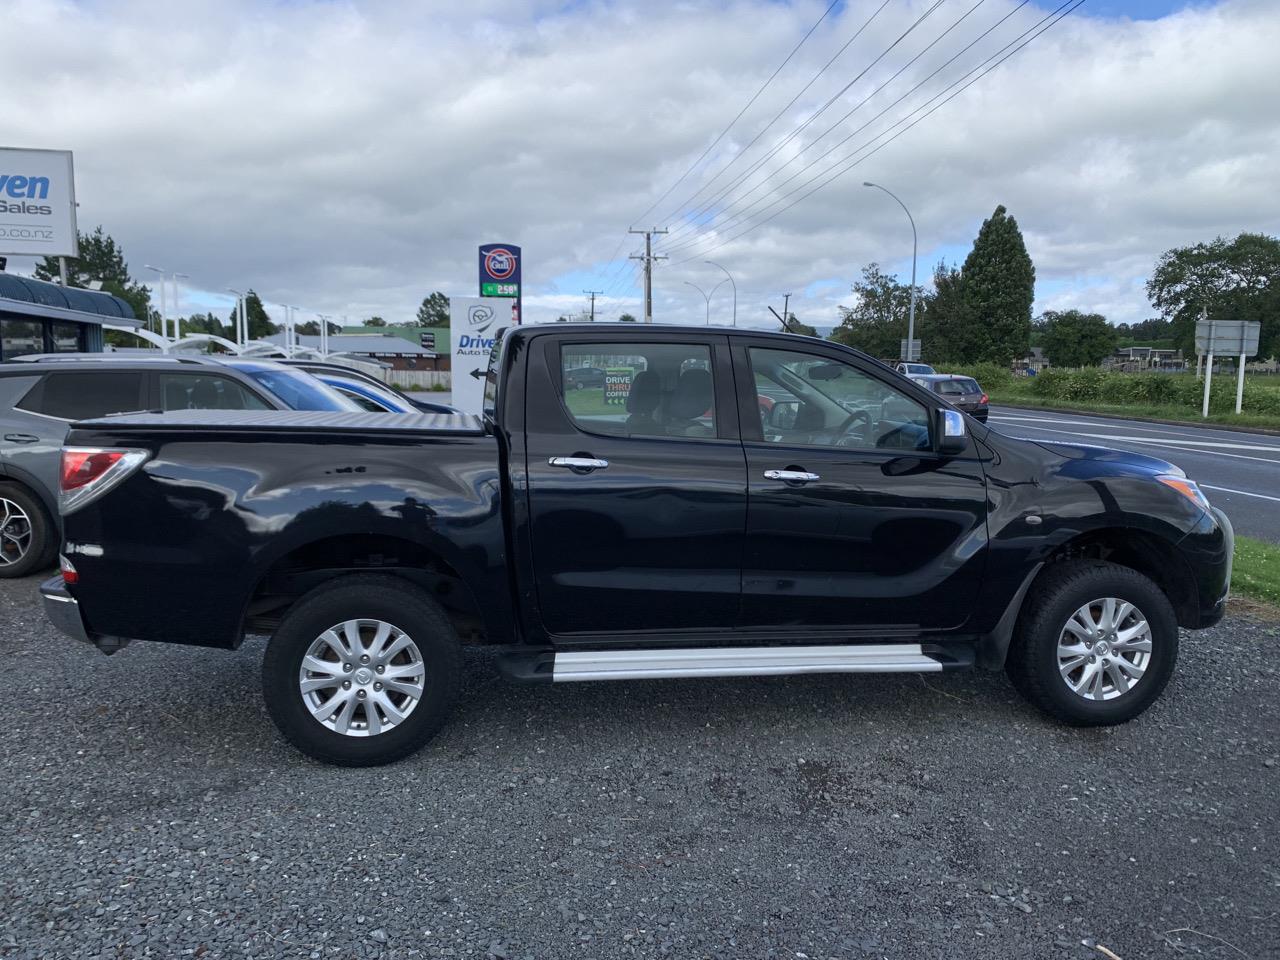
<point x="86" y="395"/>
<point x="639" y="389"/>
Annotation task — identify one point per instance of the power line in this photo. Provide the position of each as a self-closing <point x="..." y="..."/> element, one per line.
<point x="741" y="214"/>
<point x="1060" y="13"/>
<point x="723" y="133"/>
<point x="742" y="178"/>
<point x="707" y="205"/>
<point x="777" y="116"/>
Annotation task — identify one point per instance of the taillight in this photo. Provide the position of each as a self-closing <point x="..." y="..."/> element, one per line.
<point x="89" y="472"/>
<point x="984" y="399"/>
<point x="69" y="574"/>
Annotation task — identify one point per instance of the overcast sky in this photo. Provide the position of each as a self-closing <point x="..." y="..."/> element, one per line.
<point x="349" y="157"/>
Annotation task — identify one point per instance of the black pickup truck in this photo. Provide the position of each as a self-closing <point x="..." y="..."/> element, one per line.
<point x="720" y="503"/>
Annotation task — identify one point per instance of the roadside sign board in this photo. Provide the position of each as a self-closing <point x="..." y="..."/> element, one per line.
<point x="905" y="354"/>
<point x="617" y="385"/>
<point x="37" y="203"/>
<point x="473" y="323"/>
<point x="427" y="339"/>
<point x="500" y="274"/>
<point x="1232" y="338"/>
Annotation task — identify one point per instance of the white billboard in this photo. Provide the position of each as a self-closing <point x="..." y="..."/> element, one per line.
<point x="472" y="324"/>
<point x="37" y="203"/>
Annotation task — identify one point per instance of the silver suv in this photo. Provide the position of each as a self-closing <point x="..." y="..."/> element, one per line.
<point x="40" y="397"/>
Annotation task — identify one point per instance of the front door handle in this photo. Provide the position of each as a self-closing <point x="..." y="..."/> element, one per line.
<point x="791" y="476"/>
<point x="578" y="463"/>
<point x="21" y="438"/>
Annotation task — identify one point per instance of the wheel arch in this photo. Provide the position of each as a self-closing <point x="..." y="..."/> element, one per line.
<point x="295" y="569"/>
<point x="1148" y="553"/>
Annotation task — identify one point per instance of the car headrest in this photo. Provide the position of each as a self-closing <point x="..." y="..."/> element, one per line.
<point x="693" y="396"/>
<point x="646" y="392"/>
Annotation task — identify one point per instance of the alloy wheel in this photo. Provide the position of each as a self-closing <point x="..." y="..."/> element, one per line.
<point x="1104" y="649"/>
<point x="15" y="532"/>
<point x="361" y="678"/>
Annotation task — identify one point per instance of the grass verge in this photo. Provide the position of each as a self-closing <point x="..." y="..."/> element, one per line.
<point x="1178" y="414"/>
<point x="1256" y="573"/>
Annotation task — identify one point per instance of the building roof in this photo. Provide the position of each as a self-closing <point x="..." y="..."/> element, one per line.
<point x="40" y="293"/>
<point x="412" y="334"/>
<point x="366" y="343"/>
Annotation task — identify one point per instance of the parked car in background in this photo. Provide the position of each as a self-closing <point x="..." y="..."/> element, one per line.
<point x="912" y="369"/>
<point x="583" y="377"/>
<point x="42" y="395"/>
<point x="964" y="393"/>
<point x="320" y="367"/>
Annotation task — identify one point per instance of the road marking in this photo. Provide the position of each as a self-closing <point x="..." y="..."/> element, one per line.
<point x="1243" y="493"/>
<point x="1128" y="425"/>
<point x="1185" y="447"/>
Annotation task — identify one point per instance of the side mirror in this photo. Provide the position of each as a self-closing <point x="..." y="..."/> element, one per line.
<point x="784" y="414"/>
<point x="953" y="438"/>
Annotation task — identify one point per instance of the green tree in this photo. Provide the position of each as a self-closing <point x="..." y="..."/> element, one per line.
<point x="1239" y="280"/>
<point x="101" y="258"/>
<point x="374" y="321"/>
<point x="310" y="329"/>
<point x="877" y="322"/>
<point x="946" y="326"/>
<point x="260" y="324"/>
<point x="998" y="281"/>
<point x="434" y="311"/>
<point x="627" y="318"/>
<point x="203" y="323"/>
<point x="1075" y="339"/>
<point x="802" y="329"/>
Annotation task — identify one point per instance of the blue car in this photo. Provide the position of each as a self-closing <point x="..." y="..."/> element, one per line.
<point x="374" y="397"/>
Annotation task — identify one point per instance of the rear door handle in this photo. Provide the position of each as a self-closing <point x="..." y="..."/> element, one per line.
<point x="21" y="438"/>
<point x="578" y="463"/>
<point x="791" y="476"/>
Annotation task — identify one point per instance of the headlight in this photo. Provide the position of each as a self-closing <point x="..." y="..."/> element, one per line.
<point x="1185" y="487"/>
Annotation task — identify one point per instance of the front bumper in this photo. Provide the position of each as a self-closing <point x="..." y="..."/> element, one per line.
<point x="1212" y="557"/>
<point x="62" y="610"/>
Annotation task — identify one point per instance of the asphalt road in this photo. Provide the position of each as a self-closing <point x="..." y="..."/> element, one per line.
<point x="150" y="810"/>
<point x="1239" y="471"/>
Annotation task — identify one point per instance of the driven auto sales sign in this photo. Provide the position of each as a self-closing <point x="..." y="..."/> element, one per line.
<point x="499" y="270"/>
<point x="37" y="203"/>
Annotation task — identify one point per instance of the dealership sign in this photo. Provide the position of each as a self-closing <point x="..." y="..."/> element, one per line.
<point x="37" y="203"/>
<point x="474" y="323"/>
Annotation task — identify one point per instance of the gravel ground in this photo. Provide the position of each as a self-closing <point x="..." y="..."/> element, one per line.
<point x="153" y="811"/>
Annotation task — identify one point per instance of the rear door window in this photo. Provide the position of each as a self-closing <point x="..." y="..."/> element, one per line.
<point x="84" y="396"/>
<point x="957" y="388"/>
<point x="200" y="391"/>
<point x="639" y="389"/>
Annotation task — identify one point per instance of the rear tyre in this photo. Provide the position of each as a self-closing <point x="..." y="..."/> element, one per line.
<point x="1095" y="644"/>
<point x="28" y="535"/>
<point x="362" y="671"/>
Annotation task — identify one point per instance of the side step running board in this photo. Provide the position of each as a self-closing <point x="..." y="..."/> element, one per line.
<point x="562" y="666"/>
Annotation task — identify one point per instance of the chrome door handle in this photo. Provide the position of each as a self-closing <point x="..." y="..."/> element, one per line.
<point x="578" y="463"/>
<point x="791" y="476"/>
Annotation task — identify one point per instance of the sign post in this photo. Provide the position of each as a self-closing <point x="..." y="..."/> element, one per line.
<point x="473" y="321"/>
<point x="38" y="203"/>
<point x="909" y="350"/>
<point x="1238" y="338"/>
<point x="500" y="275"/>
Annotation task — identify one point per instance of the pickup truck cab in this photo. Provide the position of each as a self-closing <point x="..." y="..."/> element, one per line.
<point x="664" y="523"/>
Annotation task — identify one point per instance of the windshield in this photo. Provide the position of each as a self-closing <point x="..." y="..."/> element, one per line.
<point x="299" y="391"/>
<point x="382" y="398"/>
<point x="919" y="368"/>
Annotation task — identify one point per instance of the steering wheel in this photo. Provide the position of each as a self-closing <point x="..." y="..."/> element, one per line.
<point x="845" y="434"/>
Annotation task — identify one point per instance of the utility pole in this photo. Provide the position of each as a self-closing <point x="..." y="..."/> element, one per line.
<point x="593" y="294"/>
<point x="648" y="259"/>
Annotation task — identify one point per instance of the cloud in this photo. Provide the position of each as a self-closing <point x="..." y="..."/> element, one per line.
<point x="350" y="157"/>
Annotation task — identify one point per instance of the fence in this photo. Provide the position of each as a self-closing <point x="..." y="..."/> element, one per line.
<point x="417" y="379"/>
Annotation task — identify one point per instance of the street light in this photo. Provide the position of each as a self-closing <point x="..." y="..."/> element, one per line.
<point x="735" y="289"/>
<point x="242" y="326"/>
<point x="164" y="325"/>
<point x="706" y="296"/>
<point x="911" y="320"/>
<point x="177" y="311"/>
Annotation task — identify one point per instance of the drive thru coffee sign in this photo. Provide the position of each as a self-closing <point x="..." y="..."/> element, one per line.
<point x="37" y="203"/>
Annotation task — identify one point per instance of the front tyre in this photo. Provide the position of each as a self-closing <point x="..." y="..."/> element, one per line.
<point x="1095" y="645"/>
<point x="362" y="671"/>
